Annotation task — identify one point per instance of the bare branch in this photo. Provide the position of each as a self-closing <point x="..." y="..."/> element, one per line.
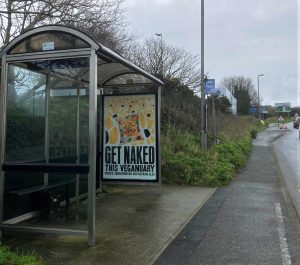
<point x="27" y="12"/>
<point x="176" y="62"/>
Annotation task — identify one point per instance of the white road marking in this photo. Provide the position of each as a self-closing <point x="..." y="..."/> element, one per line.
<point x="286" y="259"/>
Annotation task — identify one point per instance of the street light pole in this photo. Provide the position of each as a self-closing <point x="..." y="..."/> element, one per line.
<point x="258" y="105"/>
<point x="161" y="53"/>
<point x="203" y="127"/>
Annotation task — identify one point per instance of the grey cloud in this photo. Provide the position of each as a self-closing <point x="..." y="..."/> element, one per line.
<point x="241" y="37"/>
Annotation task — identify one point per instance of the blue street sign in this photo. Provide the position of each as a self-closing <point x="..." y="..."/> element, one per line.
<point x="209" y="86"/>
<point x="252" y="109"/>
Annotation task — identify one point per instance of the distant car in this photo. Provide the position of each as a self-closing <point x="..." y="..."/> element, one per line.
<point x="296" y="123"/>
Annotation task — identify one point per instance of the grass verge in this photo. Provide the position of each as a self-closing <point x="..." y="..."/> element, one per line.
<point x="7" y="257"/>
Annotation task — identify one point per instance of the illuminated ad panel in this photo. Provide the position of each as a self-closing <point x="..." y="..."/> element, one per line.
<point x="129" y="138"/>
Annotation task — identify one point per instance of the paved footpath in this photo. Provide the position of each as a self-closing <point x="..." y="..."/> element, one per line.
<point x="246" y="223"/>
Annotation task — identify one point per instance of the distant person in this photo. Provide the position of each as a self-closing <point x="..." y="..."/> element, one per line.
<point x="296" y="121"/>
<point x="280" y="121"/>
<point x="280" y="118"/>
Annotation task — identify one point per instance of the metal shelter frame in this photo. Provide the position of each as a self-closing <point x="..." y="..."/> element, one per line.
<point x="104" y="65"/>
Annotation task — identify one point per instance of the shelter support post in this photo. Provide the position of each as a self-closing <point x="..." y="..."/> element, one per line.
<point x="158" y="138"/>
<point x="78" y="142"/>
<point x="46" y="175"/>
<point x="2" y="134"/>
<point x="92" y="147"/>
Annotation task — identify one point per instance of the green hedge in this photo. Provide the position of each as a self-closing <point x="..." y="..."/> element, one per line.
<point x="184" y="163"/>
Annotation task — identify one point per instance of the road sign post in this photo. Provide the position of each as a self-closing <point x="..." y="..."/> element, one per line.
<point x="209" y="88"/>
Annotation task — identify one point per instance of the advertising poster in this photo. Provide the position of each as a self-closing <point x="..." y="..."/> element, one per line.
<point x="129" y="137"/>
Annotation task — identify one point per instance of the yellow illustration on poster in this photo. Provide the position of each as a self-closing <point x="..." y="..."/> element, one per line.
<point x="129" y="137"/>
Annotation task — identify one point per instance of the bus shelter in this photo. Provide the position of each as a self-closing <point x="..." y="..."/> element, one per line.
<point x="52" y="81"/>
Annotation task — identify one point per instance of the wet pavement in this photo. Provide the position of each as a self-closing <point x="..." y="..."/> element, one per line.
<point x="249" y="222"/>
<point x="287" y="150"/>
<point x="133" y="226"/>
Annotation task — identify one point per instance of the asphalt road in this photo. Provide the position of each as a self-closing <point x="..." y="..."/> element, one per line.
<point x="287" y="150"/>
<point x="248" y="222"/>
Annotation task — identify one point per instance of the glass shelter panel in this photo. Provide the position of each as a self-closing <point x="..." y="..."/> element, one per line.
<point x="47" y="124"/>
<point x="25" y="133"/>
<point x="49" y="41"/>
<point x="62" y="121"/>
<point x="25" y="138"/>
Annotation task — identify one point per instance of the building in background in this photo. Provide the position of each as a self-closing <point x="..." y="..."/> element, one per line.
<point x="224" y="92"/>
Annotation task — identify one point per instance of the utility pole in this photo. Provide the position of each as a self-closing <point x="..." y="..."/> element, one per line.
<point x="203" y="135"/>
<point x="258" y="107"/>
<point x="161" y="54"/>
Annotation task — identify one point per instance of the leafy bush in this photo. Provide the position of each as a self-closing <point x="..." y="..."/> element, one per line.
<point x="253" y="133"/>
<point x="182" y="168"/>
<point x="183" y="162"/>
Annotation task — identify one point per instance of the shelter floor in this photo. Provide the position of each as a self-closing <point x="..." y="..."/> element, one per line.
<point x="134" y="224"/>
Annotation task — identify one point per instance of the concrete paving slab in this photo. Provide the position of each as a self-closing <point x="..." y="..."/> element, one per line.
<point x="133" y="225"/>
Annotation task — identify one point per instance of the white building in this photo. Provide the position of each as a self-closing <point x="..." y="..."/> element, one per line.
<point x="226" y="93"/>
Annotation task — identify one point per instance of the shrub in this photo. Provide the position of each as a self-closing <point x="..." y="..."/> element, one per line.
<point x="253" y="133"/>
<point x="9" y="257"/>
<point x="183" y="162"/>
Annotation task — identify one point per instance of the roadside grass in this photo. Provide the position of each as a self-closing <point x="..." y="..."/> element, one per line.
<point x="183" y="161"/>
<point x="8" y="257"/>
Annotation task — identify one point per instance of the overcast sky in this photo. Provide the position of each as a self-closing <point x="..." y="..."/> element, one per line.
<point x="241" y="38"/>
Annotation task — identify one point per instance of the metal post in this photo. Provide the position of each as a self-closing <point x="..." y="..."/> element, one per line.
<point x="100" y="120"/>
<point x="206" y="118"/>
<point x="214" y="118"/>
<point x="78" y="141"/>
<point x="258" y="98"/>
<point x="3" y="94"/>
<point x="158" y="138"/>
<point x="92" y="148"/>
<point x="162" y="58"/>
<point x="258" y="105"/>
<point x="47" y="155"/>
<point x="161" y="54"/>
<point x="203" y="135"/>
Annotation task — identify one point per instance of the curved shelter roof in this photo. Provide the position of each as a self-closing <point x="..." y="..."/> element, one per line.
<point x="112" y="68"/>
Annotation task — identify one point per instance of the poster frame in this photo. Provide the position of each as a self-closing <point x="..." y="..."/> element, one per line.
<point x="157" y="143"/>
